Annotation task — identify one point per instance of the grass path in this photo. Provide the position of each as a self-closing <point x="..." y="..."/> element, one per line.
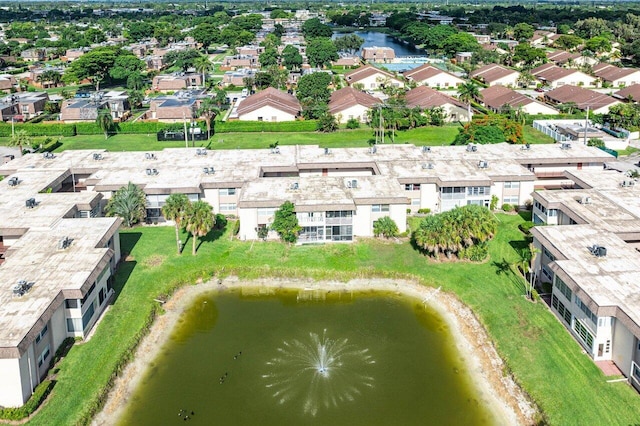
<point x="537" y="349"/>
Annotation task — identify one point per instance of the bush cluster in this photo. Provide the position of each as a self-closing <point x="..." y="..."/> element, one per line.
<point x="39" y="394"/>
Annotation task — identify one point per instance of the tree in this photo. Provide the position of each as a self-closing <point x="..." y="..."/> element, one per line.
<point x="269" y="57"/>
<point x="313" y="28"/>
<point x="263" y="80"/>
<point x="349" y="43"/>
<point x="327" y="122"/>
<point x="105" y="121"/>
<point x="460" y="42"/>
<point x="568" y="41"/>
<point x="20" y="138"/>
<point x="175" y="209"/>
<point x="523" y="31"/>
<point x="598" y="44"/>
<point x="525" y="79"/>
<point x="528" y="55"/>
<point x="468" y="92"/>
<point x="138" y="30"/>
<point x="183" y="59"/>
<point x="591" y="27"/>
<point x="94" y="65"/>
<point x="203" y="65"/>
<point x="285" y="223"/>
<point x="434" y="37"/>
<point x="597" y="142"/>
<point x="199" y="221"/>
<point x="386" y="227"/>
<point x="206" y="34"/>
<point x="209" y="111"/>
<point x="321" y="52"/>
<point x="125" y="65"/>
<point x="129" y="203"/>
<point x="315" y="85"/>
<point x="291" y="57"/>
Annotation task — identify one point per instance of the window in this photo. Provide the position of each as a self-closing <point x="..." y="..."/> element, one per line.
<point x="564" y="312"/>
<point x="452" y="192"/>
<point x="74" y="325"/>
<point x="583" y="333"/>
<point x="259" y="118"/>
<point x="379" y="208"/>
<point x="227" y="191"/>
<point x="227" y="207"/>
<point x="548" y="254"/>
<point x="86" y="296"/>
<point x="564" y="289"/>
<point x="415" y="201"/>
<point x="102" y="295"/>
<point x="478" y="190"/>
<point x="42" y="333"/>
<point x="552" y="213"/>
<point x="510" y="200"/>
<point x="511" y="185"/>
<point x="72" y="303"/>
<point x="412" y="187"/>
<point x="266" y="212"/>
<point x="590" y="315"/>
<point x="540" y="207"/>
<point x="339" y="213"/>
<point x="43" y="356"/>
<point x="86" y="318"/>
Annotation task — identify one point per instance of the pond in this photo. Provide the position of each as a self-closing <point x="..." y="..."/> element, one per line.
<point x="380" y="39"/>
<point x="335" y="358"/>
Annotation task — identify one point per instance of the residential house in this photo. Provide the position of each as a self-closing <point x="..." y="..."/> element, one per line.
<point x="378" y="54"/>
<point x="250" y="50"/>
<point x="155" y="63"/>
<point x="598" y="103"/>
<point x="175" y="108"/>
<point x="73" y="54"/>
<point x="347" y="61"/>
<point x="553" y="76"/>
<point x="481" y="38"/>
<point x="7" y="83"/>
<point x="349" y="103"/>
<point x="372" y="78"/>
<point x="462" y="57"/>
<point x="497" y="98"/>
<point x="427" y="98"/>
<point x="270" y="105"/>
<point x="177" y="81"/>
<point x="616" y="76"/>
<point x="87" y="108"/>
<point x="629" y="93"/>
<point x="22" y="106"/>
<point x="231" y="63"/>
<point x="541" y="38"/>
<point x="236" y="78"/>
<point x="493" y="74"/>
<point x="33" y="55"/>
<point x="35" y="80"/>
<point x="428" y="75"/>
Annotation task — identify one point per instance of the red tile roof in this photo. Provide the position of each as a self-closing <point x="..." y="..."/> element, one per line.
<point x="348" y="97"/>
<point x="270" y="97"/>
<point x="492" y="72"/>
<point x="583" y="98"/>
<point x="364" y="72"/>
<point x="426" y="97"/>
<point x="424" y="72"/>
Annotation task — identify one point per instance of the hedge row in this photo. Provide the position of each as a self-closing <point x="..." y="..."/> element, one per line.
<point x="142" y="127"/>
<point x="261" y="126"/>
<point x="39" y="394"/>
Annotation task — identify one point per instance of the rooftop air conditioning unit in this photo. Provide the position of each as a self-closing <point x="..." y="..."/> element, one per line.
<point x="97" y="156"/>
<point x="426" y="149"/>
<point x="150" y="156"/>
<point x="149" y="172"/>
<point x="295" y="186"/>
<point x="154" y="171"/>
<point x="483" y="164"/>
<point x="526" y="147"/>
<point x="14" y="181"/>
<point x="327" y="151"/>
<point x="373" y="149"/>
<point x="354" y="183"/>
<point x="30" y="203"/>
<point x="48" y="155"/>
<point x="201" y="151"/>
<point x="64" y="243"/>
<point x="585" y="200"/>
<point x="565" y="145"/>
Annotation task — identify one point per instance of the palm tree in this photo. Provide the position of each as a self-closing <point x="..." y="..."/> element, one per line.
<point x="199" y="221"/>
<point x="203" y="65"/>
<point x="51" y="77"/>
<point x="20" y="138"/>
<point x="105" y="121"/>
<point x="468" y="91"/>
<point x="129" y="203"/>
<point x="525" y="79"/>
<point x="209" y="111"/>
<point x="174" y="209"/>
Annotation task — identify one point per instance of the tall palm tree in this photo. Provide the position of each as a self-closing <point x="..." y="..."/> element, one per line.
<point x="199" y="220"/>
<point x="51" y="77"/>
<point x="209" y="111"/>
<point x="468" y="91"/>
<point x="105" y="121"/>
<point x="20" y="138"/>
<point x="129" y="203"/>
<point x="203" y="65"/>
<point x="174" y="209"/>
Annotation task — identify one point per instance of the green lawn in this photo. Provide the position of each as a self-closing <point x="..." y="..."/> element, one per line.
<point x="535" y="346"/>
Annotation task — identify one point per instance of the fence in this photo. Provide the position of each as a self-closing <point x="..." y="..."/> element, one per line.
<point x="549" y="132"/>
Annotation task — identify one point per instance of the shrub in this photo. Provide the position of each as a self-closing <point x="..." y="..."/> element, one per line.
<point x="386" y="227"/>
<point x="475" y="253"/>
<point x="507" y="207"/>
<point x="424" y="211"/>
<point x="39" y="395"/>
<point x="525" y="227"/>
<point x="236" y="227"/>
<point x="352" y="123"/>
<point x="41" y="129"/>
<point x="221" y="221"/>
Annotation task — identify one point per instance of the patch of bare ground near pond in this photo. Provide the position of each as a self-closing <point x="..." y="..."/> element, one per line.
<point x="496" y="390"/>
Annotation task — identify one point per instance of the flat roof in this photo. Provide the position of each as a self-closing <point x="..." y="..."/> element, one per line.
<point x="55" y="274"/>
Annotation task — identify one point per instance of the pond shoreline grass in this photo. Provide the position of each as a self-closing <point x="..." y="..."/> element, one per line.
<point x="538" y="351"/>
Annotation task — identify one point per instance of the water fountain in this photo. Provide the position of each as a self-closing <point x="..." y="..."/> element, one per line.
<point x="319" y="372"/>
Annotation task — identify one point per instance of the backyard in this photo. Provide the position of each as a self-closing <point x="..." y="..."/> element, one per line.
<point x="537" y="349"/>
<point x="433" y="136"/>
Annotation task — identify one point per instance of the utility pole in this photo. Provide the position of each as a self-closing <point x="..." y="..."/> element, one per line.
<point x="381" y="125"/>
<point x="186" y="137"/>
<point x="586" y="124"/>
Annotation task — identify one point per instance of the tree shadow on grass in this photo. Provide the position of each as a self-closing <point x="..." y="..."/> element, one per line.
<point x="126" y="265"/>
<point x="519" y="246"/>
<point x="212" y="236"/>
<point x="525" y="215"/>
<point x="505" y="268"/>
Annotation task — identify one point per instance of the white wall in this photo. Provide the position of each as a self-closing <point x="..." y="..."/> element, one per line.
<point x="212" y="196"/>
<point x="267" y="113"/>
<point x="11" y="387"/>
<point x="442" y="80"/>
<point x="398" y="212"/>
<point x="363" y="222"/>
<point x="358" y="112"/>
<point x="507" y="80"/>
<point x="623" y="347"/>
<point x="58" y="328"/>
<point x="429" y="197"/>
<point x="248" y="223"/>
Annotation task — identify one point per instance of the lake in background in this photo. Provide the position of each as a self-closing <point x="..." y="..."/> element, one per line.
<point x="335" y="359"/>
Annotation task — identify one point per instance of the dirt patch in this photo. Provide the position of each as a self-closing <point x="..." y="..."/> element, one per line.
<point x="508" y="403"/>
<point x="154" y="260"/>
